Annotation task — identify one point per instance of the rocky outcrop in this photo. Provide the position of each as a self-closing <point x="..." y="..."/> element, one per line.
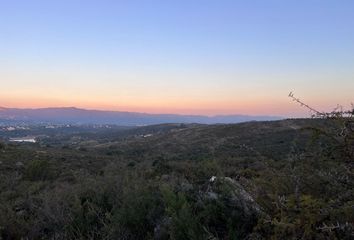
<point x="233" y="193"/>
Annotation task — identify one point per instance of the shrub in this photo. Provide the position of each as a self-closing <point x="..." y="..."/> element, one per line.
<point x="184" y="223"/>
<point x="38" y="170"/>
<point x="137" y="214"/>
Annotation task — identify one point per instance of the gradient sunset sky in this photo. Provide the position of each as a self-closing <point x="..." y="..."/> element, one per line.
<point x="183" y="56"/>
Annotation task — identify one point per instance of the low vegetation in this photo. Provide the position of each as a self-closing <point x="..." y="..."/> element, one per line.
<point x="290" y="179"/>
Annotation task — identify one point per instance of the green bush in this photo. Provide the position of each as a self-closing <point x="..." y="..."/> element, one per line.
<point x="184" y="223"/>
<point x="38" y="170"/>
<point x="135" y="217"/>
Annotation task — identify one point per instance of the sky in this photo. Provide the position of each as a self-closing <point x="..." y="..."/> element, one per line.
<point x="187" y="56"/>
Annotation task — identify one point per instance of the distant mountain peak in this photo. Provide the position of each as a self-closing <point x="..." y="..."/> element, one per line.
<point x="59" y="108"/>
<point x="74" y="115"/>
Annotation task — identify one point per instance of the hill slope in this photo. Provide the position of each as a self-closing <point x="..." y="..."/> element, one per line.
<point x="257" y="180"/>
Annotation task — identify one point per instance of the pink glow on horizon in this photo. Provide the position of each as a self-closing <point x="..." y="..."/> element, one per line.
<point x="277" y="104"/>
<point x="285" y="108"/>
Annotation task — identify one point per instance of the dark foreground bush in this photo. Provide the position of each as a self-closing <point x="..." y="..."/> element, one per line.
<point x="38" y="170"/>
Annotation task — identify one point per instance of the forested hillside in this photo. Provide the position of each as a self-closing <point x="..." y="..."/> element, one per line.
<point x="290" y="179"/>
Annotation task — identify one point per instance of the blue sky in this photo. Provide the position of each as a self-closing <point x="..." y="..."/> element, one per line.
<point x="191" y="56"/>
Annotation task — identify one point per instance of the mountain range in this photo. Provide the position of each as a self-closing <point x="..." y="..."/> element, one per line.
<point x="73" y="115"/>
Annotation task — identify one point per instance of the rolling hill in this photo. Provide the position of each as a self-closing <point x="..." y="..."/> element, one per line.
<point x="255" y="180"/>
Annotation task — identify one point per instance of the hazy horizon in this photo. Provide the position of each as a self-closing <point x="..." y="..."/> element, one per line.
<point x="157" y="113"/>
<point x="182" y="57"/>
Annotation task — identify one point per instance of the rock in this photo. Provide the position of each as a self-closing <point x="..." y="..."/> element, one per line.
<point x="212" y="195"/>
<point x="19" y="164"/>
<point x="241" y="198"/>
<point x="212" y="179"/>
<point x="237" y="196"/>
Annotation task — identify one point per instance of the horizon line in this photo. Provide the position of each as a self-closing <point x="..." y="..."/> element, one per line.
<point x="111" y="110"/>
